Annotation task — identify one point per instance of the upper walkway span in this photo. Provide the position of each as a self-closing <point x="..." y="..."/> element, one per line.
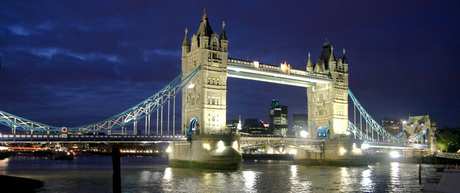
<point x="253" y="70"/>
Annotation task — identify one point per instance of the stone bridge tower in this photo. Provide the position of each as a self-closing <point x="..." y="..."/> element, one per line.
<point x="328" y="103"/>
<point x="204" y="99"/>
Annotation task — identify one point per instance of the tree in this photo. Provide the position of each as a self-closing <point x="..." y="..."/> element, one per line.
<point x="448" y="142"/>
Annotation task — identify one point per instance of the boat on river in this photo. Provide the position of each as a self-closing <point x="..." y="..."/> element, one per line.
<point x="448" y="183"/>
<point x="62" y="155"/>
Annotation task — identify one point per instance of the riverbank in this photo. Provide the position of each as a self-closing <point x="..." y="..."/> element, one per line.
<point x="18" y="184"/>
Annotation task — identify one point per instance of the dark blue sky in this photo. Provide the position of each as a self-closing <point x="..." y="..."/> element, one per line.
<point x="69" y="63"/>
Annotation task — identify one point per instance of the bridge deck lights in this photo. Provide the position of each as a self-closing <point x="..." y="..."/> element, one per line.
<point x="394" y="154"/>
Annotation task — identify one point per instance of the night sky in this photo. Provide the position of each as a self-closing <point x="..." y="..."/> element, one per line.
<point x="70" y="63"/>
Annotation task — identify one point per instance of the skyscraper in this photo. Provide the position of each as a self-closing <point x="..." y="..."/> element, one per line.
<point x="278" y="118"/>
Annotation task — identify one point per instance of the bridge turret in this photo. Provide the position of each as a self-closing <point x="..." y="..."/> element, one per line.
<point x="309" y="64"/>
<point x="345" y="62"/>
<point x="328" y="102"/>
<point x="332" y="62"/>
<point x="185" y="44"/>
<point x="223" y="39"/>
<point x="205" y="98"/>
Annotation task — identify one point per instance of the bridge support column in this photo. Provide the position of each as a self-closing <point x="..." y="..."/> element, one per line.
<point x="207" y="151"/>
<point x="335" y="152"/>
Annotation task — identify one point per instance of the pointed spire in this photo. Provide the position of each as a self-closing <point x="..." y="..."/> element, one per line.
<point x="331" y="57"/>
<point x="205" y="16"/>
<point x="309" y="64"/>
<point x="344" y="59"/>
<point x="205" y="28"/>
<point x="326" y="44"/>
<point x="223" y="36"/>
<point x="186" y="42"/>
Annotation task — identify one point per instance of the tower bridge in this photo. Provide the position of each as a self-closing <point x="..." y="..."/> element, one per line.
<point x="203" y="88"/>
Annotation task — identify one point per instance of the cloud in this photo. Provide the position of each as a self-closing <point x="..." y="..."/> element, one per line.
<point x="19" y="30"/>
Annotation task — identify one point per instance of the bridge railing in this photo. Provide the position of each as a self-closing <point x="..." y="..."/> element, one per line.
<point x="66" y="137"/>
<point x="448" y="155"/>
<point x="130" y="116"/>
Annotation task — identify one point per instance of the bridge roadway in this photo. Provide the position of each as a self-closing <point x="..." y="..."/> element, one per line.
<point x="24" y="138"/>
<point x="246" y="141"/>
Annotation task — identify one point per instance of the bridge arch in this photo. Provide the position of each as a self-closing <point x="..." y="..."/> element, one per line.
<point x="323" y="132"/>
<point x="193" y="127"/>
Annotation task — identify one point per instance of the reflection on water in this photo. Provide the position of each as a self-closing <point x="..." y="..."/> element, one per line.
<point x="366" y="181"/>
<point x="148" y="174"/>
<point x="249" y="178"/>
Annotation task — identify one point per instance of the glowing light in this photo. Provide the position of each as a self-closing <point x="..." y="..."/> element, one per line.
<point x="342" y="151"/>
<point x="284" y="67"/>
<point x="357" y="151"/>
<point x="206" y="146"/>
<point x="191" y="86"/>
<point x="168" y="150"/>
<point x="347" y="133"/>
<point x="404" y="122"/>
<point x="235" y="145"/>
<point x="394" y="154"/>
<point x="256" y="64"/>
<point x="220" y="146"/>
<point x="304" y="134"/>
<point x="364" y="146"/>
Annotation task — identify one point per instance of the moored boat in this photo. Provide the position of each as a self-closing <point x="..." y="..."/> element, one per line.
<point x="62" y="155"/>
<point x="447" y="183"/>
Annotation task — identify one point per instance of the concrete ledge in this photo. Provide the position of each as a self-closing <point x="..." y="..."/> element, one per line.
<point x="203" y="165"/>
<point x="268" y="157"/>
<point x="322" y="162"/>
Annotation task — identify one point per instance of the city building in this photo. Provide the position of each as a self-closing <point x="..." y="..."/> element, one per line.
<point x="278" y="119"/>
<point x="234" y="125"/>
<point x="393" y="126"/>
<point x="255" y="126"/>
<point x="299" y="125"/>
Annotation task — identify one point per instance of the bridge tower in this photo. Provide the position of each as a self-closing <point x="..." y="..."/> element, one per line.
<point x="204" y="100"/>
<point x="328" y="102"/>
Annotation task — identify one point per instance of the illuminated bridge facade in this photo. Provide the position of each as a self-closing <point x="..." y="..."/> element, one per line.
<point x="203" y="86"/>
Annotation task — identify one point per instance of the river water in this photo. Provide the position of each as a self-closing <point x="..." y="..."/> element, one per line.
<point x="152" y="174"/>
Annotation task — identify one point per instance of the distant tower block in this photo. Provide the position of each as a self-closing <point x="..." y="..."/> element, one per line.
<point x="204" y="100"/>
<point x="328" y="102"/>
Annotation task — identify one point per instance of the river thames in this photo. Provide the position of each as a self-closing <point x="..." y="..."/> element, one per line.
<point x="152" y="174"/>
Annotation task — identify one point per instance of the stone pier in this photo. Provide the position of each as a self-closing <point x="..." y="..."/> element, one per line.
<point x="208" y="152"/>
<point x="334" y="152"/>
